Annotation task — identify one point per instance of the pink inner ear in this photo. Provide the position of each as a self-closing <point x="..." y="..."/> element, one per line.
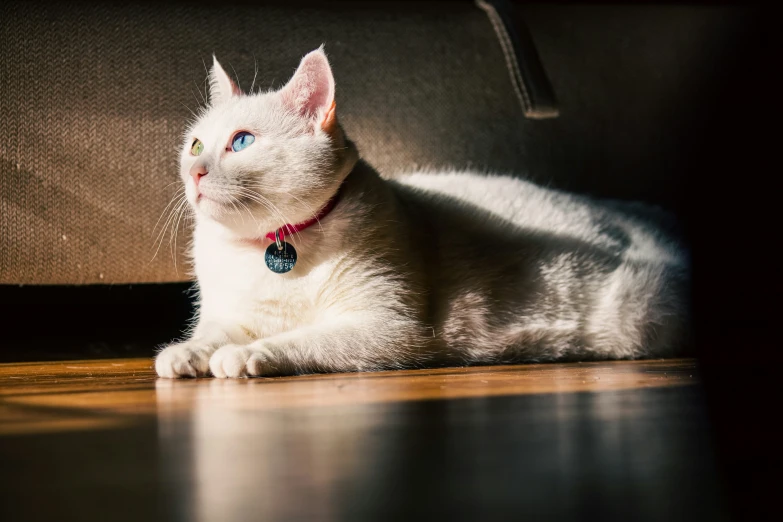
<point x="311" y="90"/>
<point x="235" y="88"/>
<point x="221" y="84"/>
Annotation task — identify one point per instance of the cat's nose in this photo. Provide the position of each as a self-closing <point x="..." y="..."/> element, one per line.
<point x="197" y="172"/>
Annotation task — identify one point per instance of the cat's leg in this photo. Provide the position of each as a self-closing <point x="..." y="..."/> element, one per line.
<point x="347" y="345"/>
<point x="190" y="358"/>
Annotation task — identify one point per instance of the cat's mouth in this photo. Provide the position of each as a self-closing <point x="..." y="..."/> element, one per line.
<point x="201" y="196"/>
<point x="204" y="201"/>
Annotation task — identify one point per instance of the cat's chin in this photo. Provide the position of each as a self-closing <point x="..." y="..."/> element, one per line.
<point x="211" y="207"/>
<point x="239" y="225"/>
<point x="214" y="210"/>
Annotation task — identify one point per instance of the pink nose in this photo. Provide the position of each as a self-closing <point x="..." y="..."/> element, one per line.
<point x="198" y="172"/>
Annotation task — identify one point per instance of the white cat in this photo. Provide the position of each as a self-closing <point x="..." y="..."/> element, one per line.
<point x="426" y="269"/>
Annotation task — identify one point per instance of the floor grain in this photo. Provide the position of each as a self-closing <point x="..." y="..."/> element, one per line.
<point x="107" y="440"/>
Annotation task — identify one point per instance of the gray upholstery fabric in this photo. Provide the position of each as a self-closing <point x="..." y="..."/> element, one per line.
<point x="92" y="106"/>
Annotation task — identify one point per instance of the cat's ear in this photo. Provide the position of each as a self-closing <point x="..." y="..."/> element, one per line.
<point x="310" y="92"/>
<point x="221" y="86"/>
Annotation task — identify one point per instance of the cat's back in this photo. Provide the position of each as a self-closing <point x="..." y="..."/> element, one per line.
<point x="634" y="229"/>
<point x="514" y="199"/>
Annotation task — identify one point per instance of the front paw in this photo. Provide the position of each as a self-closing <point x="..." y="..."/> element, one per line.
<point x="188" y="359"/>
<point x="234" y="360"/>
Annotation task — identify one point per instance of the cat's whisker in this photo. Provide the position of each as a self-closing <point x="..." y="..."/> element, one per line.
<point x="175" y="217"/>
<point x="198" y="103"/>
<point x="231" y="202"/>
<point x="162" y="233"/>
<point x="184" y="209"/>
<point x="261" y="200"/>
<point x="172" y="212"/>
<point x="180" y="192"/>
<point x="173" y="182"/>
<point x="235" y="75"/>
<point x="255" y="66"/>
<point x="191" y="110"/>
<point x="295" y="236"/>
<point x="266" y="206"/>
<point x="249" y="212"/>
<point x="175" y="212"/>
<point x="203" y="98"/>
<point x="308" y="208"/>
<point x="279" y="213"/>
<point x="176" y="202"/>
<point x="206" y="77"/>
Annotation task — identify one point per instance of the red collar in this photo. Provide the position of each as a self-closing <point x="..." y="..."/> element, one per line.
<point x="292" y="229"/>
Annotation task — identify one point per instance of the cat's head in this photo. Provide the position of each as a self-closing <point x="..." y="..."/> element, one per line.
<point x="254" y="162"/>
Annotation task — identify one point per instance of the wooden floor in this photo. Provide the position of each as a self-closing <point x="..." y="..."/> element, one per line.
<point x="107" y="440"/>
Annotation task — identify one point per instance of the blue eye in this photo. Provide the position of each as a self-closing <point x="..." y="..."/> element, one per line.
<point x="242" y="140"/>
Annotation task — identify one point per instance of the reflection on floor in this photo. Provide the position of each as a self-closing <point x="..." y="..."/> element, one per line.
<point x="106" y="440"/>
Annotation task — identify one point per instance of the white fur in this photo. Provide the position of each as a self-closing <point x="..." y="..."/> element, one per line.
<point x="427" y="269"/>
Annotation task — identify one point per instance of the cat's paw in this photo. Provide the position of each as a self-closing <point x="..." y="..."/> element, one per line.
<point x="234" y="360"/>
<point x="188" y="359"/>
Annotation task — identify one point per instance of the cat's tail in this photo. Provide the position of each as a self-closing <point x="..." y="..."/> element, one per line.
<point x="643" y="310"/>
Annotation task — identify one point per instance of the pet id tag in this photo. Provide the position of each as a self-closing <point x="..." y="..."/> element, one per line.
<point x="280" y="256"/>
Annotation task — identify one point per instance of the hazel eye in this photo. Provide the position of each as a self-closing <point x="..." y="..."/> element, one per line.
<point x="241" y="141"/>
<point x="197" y="147"/>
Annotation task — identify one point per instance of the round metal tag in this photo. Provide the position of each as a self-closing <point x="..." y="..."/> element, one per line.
<point x="280" y="260"/>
